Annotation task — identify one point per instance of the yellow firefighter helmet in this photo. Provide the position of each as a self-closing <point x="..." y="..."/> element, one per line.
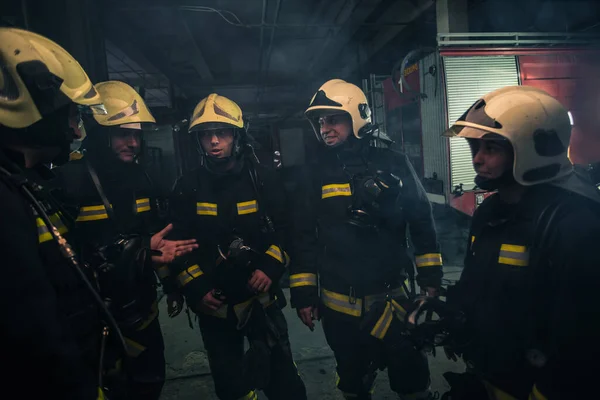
<point x="337" y="96"/>
<point x="123" y="105"/>
<point x="37" y="77"/>
<point x="216" y="111"/>
<point x="535" y="123"/>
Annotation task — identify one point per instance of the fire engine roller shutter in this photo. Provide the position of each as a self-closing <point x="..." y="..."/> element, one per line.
<point x="467" y="79"/>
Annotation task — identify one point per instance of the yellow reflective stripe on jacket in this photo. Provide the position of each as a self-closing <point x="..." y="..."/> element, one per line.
<point x="142" y="205"/>
<point x="134" y="349"/>
<point x="163" y="271"/>
<point x="305" y="279"/>
<point x="516" y="255"/>
<point x="336" y="189"/>
<point x="429" y="260"/>
<point x="189" y="275"/>
<point x="341" y="303"/>
<point x="247" y="207"/>
<point x="44" y="234"/>
<point x="206" y="209"/>
<point x="92" y="213"/>
<point x="275" y="252"/>
<point x="392" y="309"/>
<point x="536" y="394"/>
<point x="250" y="396"/>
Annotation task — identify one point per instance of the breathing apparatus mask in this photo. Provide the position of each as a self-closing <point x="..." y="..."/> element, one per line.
<point x="119" y="267"/>
<point x="371" y="193"/>
<point x="235" y="266"/>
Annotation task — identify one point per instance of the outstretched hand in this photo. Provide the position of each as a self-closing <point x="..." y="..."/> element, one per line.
<point x="170" y="249"/>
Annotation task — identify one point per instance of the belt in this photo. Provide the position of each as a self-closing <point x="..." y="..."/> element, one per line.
<point x="241" y="310"/>
<point x="357" y="306"/>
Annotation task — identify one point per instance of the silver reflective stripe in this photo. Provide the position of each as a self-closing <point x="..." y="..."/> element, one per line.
<point x="383" y="323"/>
<point x="142" y="205"/>
<point x="335" y="189"/>
<point x="307" y="279"/>
<point x="206" y="209"/>
<point x="332" y="301"/>
<point x="516" y="256"/>
<point x="88" y="213"/>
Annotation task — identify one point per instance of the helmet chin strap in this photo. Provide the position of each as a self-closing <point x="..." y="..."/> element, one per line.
<point x="506" y="179"/>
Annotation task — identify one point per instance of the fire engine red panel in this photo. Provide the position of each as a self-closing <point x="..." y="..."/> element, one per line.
<point x="392" y="100"/>
<point x="574" y="79"/>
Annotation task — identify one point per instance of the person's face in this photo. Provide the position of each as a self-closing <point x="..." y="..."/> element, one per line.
<point x="335" y="129"/>
<point x="491" y="159"/>
<point x="217" y="143"/>
<point x="126" y="143"/>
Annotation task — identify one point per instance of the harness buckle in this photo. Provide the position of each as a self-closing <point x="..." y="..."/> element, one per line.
<point x="352" y="296"/>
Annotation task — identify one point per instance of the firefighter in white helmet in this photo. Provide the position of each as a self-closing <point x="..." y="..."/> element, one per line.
<point x="531" y="279"/>
<point x="51" y="325"/>
<point x="362" y="199"/>
<point x="235" y="207"/>
<point x="113" y="202"/>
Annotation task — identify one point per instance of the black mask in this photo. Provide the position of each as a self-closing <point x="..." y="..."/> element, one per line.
<point x="506" y="179"/>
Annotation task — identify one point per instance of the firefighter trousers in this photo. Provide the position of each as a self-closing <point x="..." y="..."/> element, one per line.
<point x="359" y="355"/>
<point x="224" y="344"/>
<point x="142" y="371"/>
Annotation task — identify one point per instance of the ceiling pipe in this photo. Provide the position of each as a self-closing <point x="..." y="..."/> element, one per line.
<point x="270" y="49"/>
<point x="260" y="47"/>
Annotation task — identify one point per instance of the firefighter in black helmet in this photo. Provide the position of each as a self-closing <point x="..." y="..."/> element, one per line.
<point x="235" y="208"/>
<point x="531" y="278"/>
<point x="50" y="321"/>
<point x="362" y="199"/>
<point x="113" y="205"/>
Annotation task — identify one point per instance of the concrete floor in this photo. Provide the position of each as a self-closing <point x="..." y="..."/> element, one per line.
<point x="188" y="374"/>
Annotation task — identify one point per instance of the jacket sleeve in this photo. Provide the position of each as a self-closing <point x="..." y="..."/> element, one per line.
<point x="572" y="298"/>
<point x="417" y="211"/>
<point x="274" y="258"/>
<point x="31" y="321"/>
<point x="186" y="273"/>
<point x="305" y="249"/>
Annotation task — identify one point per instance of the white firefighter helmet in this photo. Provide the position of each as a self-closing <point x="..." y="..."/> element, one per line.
<point x="336" y="96"/>
<point x="535" y="123"/>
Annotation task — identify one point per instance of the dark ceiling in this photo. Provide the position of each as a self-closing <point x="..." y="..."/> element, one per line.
<point x="270" y="56"/>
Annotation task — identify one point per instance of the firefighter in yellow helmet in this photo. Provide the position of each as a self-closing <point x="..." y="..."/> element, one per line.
<point x="531" y="279"/>
<point x="235" y="207"/>
<point x="362" y="199"/>
<point x="113" y="202"/>
<point x="51" y="314"/>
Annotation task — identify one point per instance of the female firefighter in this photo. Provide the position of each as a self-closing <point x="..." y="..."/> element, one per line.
<point x="530" y="283"/>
